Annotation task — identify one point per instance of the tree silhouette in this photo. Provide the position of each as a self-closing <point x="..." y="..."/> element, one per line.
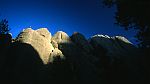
<point x="133" y="14"/>
<point x="5" y="37"/>
<point x="4" y="29"/>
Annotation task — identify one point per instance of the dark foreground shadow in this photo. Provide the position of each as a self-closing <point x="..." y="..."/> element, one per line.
<point x="22" y="65"/>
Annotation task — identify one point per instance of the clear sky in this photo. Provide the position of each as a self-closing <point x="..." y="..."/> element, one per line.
<point x="88" y="17"/>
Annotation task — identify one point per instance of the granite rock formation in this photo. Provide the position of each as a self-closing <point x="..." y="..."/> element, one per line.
<point x="37" y="57"/>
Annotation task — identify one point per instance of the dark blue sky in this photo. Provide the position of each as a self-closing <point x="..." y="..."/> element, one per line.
<point x="88" y="17"/>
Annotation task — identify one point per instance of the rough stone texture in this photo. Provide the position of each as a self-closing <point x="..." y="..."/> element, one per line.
<point x="54" y="43"/>
<point x="39" y="39"/>
<point x="99" y="60"/>
<point x="61" y="37"/>
<point x="45" y="33"/>
<point x="56" y="53"/>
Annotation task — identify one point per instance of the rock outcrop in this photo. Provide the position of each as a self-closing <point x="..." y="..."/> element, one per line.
<point x="122" y="57"/>
<point x="40" y="40"/>
<point x="56" y="54"/>
<point x="100" y="59"/>
<point x="116" y="46"/>
<point x="81" y="42"/>
<point x="61" y="37"/>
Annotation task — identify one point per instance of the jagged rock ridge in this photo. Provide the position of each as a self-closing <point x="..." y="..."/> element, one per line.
<point x="62" y="57"/>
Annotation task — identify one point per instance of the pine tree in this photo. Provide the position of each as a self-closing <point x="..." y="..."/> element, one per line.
<point x="4" y="29"/>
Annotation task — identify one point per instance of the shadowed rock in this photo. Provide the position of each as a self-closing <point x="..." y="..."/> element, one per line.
<point x="36" y="57"/>
<point x="81" y="42"/>
<point x="23" y="65"/>
<point x="122" y="55"/>
<point x="56" y="53"/>
<point x="40" y="39"/>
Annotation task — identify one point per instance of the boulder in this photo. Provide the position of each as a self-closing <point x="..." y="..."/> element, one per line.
<point x="36" y="55"/>
<point x="81" y="42"/>
<point x="77" y="56"/>
<point x="22" y="65"/>
<point x="39" y="39"/>
<point x="61" y="37"/>
<point x="54" y="43"/>
<point x="56" y="54"/>
<point x="45" y="33"/>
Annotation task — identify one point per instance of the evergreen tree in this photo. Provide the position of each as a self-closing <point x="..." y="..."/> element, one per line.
<point x="4" y="29"/>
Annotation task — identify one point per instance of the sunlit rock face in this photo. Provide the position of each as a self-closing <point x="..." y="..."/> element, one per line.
<point x="40" y="40"/>
<point x="99" y="60"/>
<point x="45" y="33"/>
<point x="61" y="37"/>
